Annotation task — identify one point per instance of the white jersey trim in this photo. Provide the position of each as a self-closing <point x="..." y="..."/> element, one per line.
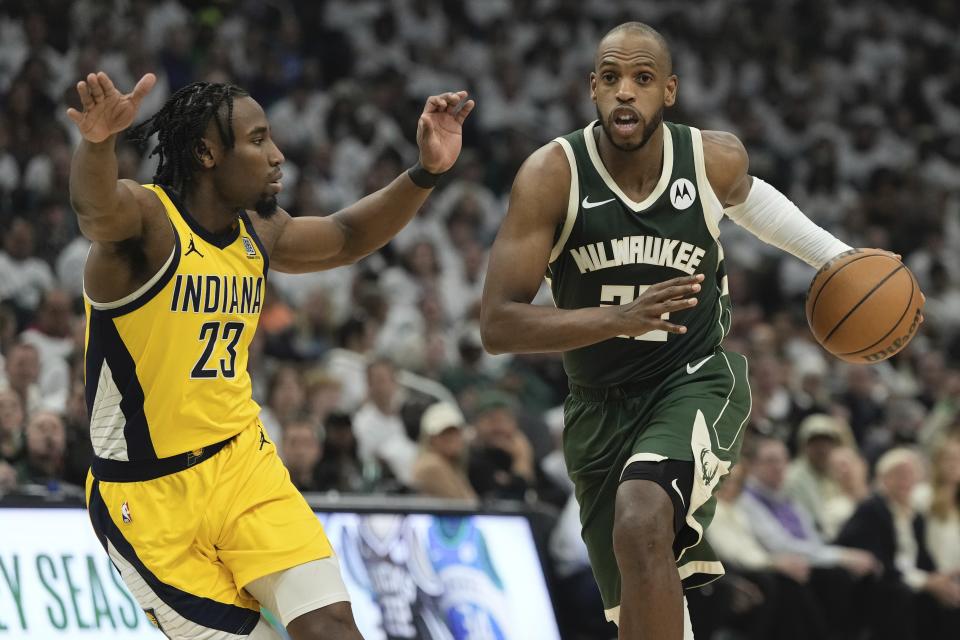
<point x="709" y="202"/>
<point x="106" y="306"/>
<point x="665" y="174"/>
<point x="573" y="201"/>
<point x="107" y="420"/>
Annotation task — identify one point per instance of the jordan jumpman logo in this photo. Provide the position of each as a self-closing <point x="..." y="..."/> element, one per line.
<point x="192" y="248"/>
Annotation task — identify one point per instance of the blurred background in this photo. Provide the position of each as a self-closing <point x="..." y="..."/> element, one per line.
<point x="851" y="108"/>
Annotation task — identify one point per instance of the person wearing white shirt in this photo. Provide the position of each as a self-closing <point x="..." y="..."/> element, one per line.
<point x="381" y="436"/>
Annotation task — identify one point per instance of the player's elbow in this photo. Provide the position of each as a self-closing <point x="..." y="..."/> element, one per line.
<point x="491" y="333"/>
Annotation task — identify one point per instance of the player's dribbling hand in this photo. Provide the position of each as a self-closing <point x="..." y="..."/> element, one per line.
<point x="106" y="111"/>
<point x="643" y="314"/>
<point x="440" y="130"/>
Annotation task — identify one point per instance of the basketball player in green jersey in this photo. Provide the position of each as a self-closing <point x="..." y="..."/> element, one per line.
<point x="623" y="218"/>
<point x="186" y="494"/>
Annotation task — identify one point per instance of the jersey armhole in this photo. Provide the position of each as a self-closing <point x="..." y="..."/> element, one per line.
<point x="712" y="208"/>
<point x="573" y="201"/>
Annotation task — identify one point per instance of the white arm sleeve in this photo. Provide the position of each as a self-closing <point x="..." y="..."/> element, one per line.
<point x="772" y="217"/>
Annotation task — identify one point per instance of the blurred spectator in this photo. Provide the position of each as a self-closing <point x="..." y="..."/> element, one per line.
<point x="23" y="277"/>
<point x="12" y="422"/>
<point x="848" y="470"/>
<point x="79" y="448"/>
<point x="912" y="600"/>
<point x="789" y="608"/>
<point x="784" y="527"/>
<point x="22" y="369"/>
<point x="781" y="524"/>
<point x="381" y="436"/>
<point x="501" y="459"/>
<point x="339" y="468"/>
<point x="324" y="394"/>
<point x="52" y="335"/>
<point x="439" y="470"/>
<point x="861" y="400"/>
<point x="285" y="401"/>
<point x="44" y="456"/>
<point x="943" y="520"/>
<point x="808" y="480"/>
<point x="301" y="452"/>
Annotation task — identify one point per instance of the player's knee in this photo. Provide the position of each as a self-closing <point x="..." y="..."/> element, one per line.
<point x="332" y="622"/>
<point x="643" y="524"/>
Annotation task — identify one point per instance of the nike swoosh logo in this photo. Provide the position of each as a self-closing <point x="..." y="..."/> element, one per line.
<point x="697" y="366"/>
<point x="676" y="487"/>
<point x="586" y="204"/>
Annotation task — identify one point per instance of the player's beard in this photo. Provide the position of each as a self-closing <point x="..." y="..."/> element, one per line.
<point x="648" y="130"/>
<point x="266" y="206"/>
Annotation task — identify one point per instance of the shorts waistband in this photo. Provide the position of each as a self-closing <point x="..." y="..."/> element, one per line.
<point x="140" y="470"/>
<point x="615" y="392"/>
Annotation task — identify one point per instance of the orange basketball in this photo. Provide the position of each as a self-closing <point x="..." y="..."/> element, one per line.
<point x="864" y="306"/>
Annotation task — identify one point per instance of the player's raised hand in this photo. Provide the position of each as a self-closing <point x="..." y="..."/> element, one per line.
<point x="644" y="313"/>
<point x="440" y="130"/>
<point x="106" y="111"/>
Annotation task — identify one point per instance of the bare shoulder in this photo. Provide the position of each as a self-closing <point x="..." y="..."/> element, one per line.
<point x="269" y="228"/>
<point x="542" y="185"/>
<point x="725" y="159"/>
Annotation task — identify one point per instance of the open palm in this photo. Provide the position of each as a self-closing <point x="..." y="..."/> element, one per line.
<point x="440" y="130"/>
<point x="106" y="111"/>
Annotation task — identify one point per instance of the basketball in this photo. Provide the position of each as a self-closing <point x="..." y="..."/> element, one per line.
<point x="864" y="306"/>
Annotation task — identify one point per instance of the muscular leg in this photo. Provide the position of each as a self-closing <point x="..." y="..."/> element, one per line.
<point x="332" y="622"/>
<point x="651" y="600"/>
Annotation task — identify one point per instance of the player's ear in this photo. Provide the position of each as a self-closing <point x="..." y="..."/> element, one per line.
<point x="670" y="90"/>
<point x="205" y="154"/>
<point x="593" y="86"/>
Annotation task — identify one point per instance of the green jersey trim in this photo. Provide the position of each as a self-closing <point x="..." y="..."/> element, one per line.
<point x="573" y="201"/>
<point x="665" y="174"/>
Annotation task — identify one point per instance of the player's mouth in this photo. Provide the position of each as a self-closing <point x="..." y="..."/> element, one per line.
<point x="275" y="183"/>
<point x="625" y="121"/>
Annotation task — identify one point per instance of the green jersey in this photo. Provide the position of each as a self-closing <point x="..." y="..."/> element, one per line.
<point x="609" y="249"/>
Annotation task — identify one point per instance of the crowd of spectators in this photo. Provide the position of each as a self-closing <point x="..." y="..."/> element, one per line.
<point x="853" y="109"/>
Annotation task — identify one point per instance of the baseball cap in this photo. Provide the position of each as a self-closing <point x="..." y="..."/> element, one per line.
<point x="439" y="417"/>
<point x="819" y="425"/>
<point x="492" y="399"/>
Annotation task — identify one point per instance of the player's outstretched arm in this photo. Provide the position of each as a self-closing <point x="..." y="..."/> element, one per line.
<point x="108" y="209"/>
<point x="518" y="262"/>
<point x="760" y="208"/>
<point x="313" y="244"/>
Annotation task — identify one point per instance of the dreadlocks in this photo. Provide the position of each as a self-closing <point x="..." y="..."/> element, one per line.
<point x="181" y="123"/>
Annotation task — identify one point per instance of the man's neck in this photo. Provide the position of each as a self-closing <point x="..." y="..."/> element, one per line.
<point x="208" y="208"/>
<point x="636" y="172"/>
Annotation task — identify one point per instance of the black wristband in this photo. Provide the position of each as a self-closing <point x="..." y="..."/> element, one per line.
<point x="423" y="178"/>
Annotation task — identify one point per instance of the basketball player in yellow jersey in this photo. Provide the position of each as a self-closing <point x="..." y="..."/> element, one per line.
<point x="186" y="493"/>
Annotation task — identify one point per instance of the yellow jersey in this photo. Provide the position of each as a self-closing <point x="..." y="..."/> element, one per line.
<point x="166" y="366"/>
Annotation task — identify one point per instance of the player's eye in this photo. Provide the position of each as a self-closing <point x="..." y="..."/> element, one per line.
<point x="644" y="78"/>
<point x="257" y="141"/>
<point x="608" y="77"/>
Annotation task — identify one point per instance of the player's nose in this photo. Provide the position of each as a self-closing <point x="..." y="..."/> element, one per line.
<point x="625" y="92"/>
<point x="276" y="157"/>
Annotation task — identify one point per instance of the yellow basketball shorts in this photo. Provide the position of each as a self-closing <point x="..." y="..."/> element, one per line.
<point x="187" y="543"/>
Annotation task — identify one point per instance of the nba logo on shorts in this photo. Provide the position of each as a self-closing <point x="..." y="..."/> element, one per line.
<point x="125" y="513"/>
<point x="682" y="193"/>
<point x="152" y="617"/>
<point x="248" y="246"/>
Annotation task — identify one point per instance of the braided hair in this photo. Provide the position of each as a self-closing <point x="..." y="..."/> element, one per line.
<point x="181" y="123"/>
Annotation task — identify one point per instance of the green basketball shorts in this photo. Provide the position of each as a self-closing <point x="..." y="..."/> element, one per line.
<point x="697" y="413"/>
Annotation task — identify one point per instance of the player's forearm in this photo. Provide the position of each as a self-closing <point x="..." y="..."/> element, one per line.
<point x="374" y="220"/>
<point x="93" y="178"/>
<point x="515" y="327"/>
